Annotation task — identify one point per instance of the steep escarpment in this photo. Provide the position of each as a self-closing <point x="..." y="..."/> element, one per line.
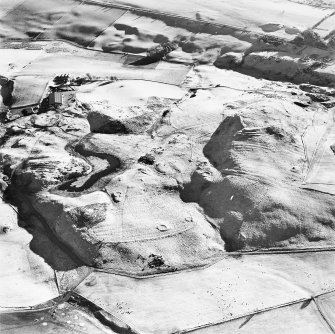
<point x="257" y="201"/>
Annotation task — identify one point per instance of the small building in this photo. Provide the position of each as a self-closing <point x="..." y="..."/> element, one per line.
<point x="20" y="111"/>
<point x="56" y="99"/>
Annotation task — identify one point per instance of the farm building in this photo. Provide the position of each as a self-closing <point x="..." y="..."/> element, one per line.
<point x="56" y="99"/>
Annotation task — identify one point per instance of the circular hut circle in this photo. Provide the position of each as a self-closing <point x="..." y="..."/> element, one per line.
<point x="162" y="227"/>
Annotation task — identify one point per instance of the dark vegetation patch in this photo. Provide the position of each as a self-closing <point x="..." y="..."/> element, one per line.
<point x="155" y="261"/>
<point x="147" y="159"/>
